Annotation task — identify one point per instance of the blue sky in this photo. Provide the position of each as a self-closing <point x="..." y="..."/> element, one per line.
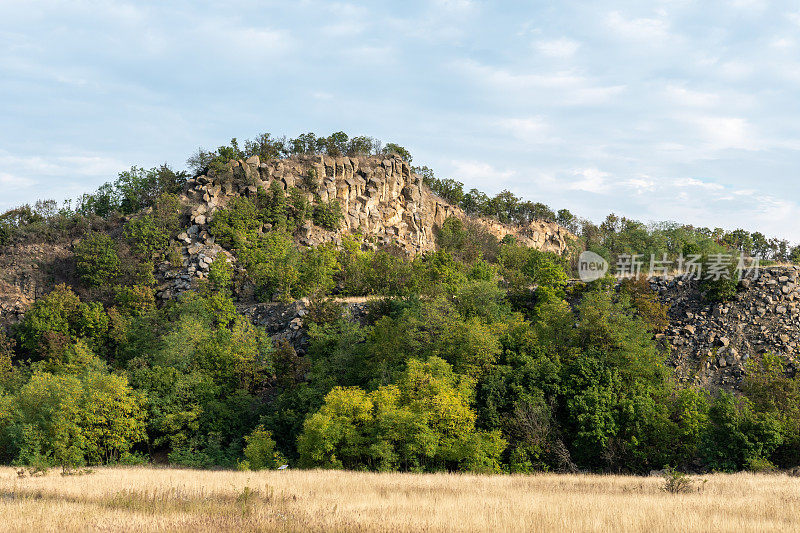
<point x="660" y="110"/>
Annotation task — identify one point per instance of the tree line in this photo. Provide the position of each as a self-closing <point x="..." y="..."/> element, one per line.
<point x="476" y="362"/>
<point x="479" y="356"/>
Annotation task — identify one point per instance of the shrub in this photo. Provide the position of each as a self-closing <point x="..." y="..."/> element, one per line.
<point x="299" y="206"/>
<point x="97" y="259"/>
<point x="676" y="482"/>
<point x="272" y="264"/>
<point x="718" y="286"/>
<point x="317" y="268"/>
<point x="760" y="465"/>
<point x="146" y="236"/>
<point x="134" y="299"/>
<point x="328" y="214"/>
<point x="311" y="180"/>
<point x="260" y="452"/>
<point x="220" y="273"/>
<point x="274" y="205"/>
<point x="646" y="302"/>
<point x="61" y="314"/>
<point x="738" y="436"/>
<point x="238" y="223"/>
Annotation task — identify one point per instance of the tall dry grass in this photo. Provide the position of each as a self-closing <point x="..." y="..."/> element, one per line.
<point x="147" y="499"/>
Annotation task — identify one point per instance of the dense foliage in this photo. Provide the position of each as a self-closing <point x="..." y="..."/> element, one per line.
<point x="479" y="356"/>
<point x="468" y="364"/>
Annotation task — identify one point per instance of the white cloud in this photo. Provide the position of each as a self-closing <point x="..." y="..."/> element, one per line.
<point x="723" y="133"/>
<point x="735" y="70"/>
<point x="559" y="48"/>
<point x="637" y="29"/>
<point x="254" y="41"/>
<point x="641" y="184"/>
<point x="479" y="171"/>
<point x="15" y="182"/>
<point x="783" y="43"/>
<point x="749" y="4"/>
<point x="696" y="183"/>
<point x="564" y="87"/>
<point x="590" y="180"/>
<point x="372" y="54"/>
<point x="73" y="165"/>
<point x="455" y="5"/>
<point x="683" y="96"/>
<point x="531" y="129"/>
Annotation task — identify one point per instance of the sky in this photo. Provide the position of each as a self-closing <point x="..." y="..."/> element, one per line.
<point x="675" y="110"/>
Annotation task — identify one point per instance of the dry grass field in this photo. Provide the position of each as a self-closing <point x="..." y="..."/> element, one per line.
<point x="148" y="499"/>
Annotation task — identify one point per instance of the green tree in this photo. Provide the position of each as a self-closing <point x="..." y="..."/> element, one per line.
<point x="275" y="206"/>
<point x="97" y="259"/>
<point x="737" y="436"/>
<point x="146" y="236"/>
<point x="237" y="224"/>
<point x="259" y="450"/>
<point x="87" y="418"/>
<point x="392" y="148"/>
<point x="220" y="274"/>
<point x="328" y="214"/>
<point x="424" y="422"/>
<point x="61" y="314"/>
<point x="273" y="265"/>
<point x="772" y="391"/>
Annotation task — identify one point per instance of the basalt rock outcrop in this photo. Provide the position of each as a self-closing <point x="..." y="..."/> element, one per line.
<point x="381" y="198"/>
<point x="28" y="272"/>
<point x="710" y="344"/>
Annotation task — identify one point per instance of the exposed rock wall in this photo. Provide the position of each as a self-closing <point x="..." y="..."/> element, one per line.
<point x="28" y="272"/>
<point x="381" y="197"/>
<point x="710" y="343"/>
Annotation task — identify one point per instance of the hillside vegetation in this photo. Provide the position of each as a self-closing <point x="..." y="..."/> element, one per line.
<point x="478" y="356"/>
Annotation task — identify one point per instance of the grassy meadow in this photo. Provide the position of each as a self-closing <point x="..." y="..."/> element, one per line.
<point x="148" y="499"/>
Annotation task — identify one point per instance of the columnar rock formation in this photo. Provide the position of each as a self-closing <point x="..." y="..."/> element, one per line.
<point x="381" y="197"/>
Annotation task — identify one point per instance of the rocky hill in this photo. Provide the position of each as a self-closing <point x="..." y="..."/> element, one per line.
<point x="384" y="200"/>
<point x="381" y="197"/>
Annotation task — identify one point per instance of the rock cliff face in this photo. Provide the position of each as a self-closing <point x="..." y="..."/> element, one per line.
<point x="380" y="197"/>
<point x="710" y="343"/>
<point x="28" y="272"/>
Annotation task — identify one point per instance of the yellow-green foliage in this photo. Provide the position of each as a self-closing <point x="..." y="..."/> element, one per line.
<point x="423" y="422"/>
<point x="62" y="314"/>
<point x="260" y="452"/>
<point x="90" y="417"/>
